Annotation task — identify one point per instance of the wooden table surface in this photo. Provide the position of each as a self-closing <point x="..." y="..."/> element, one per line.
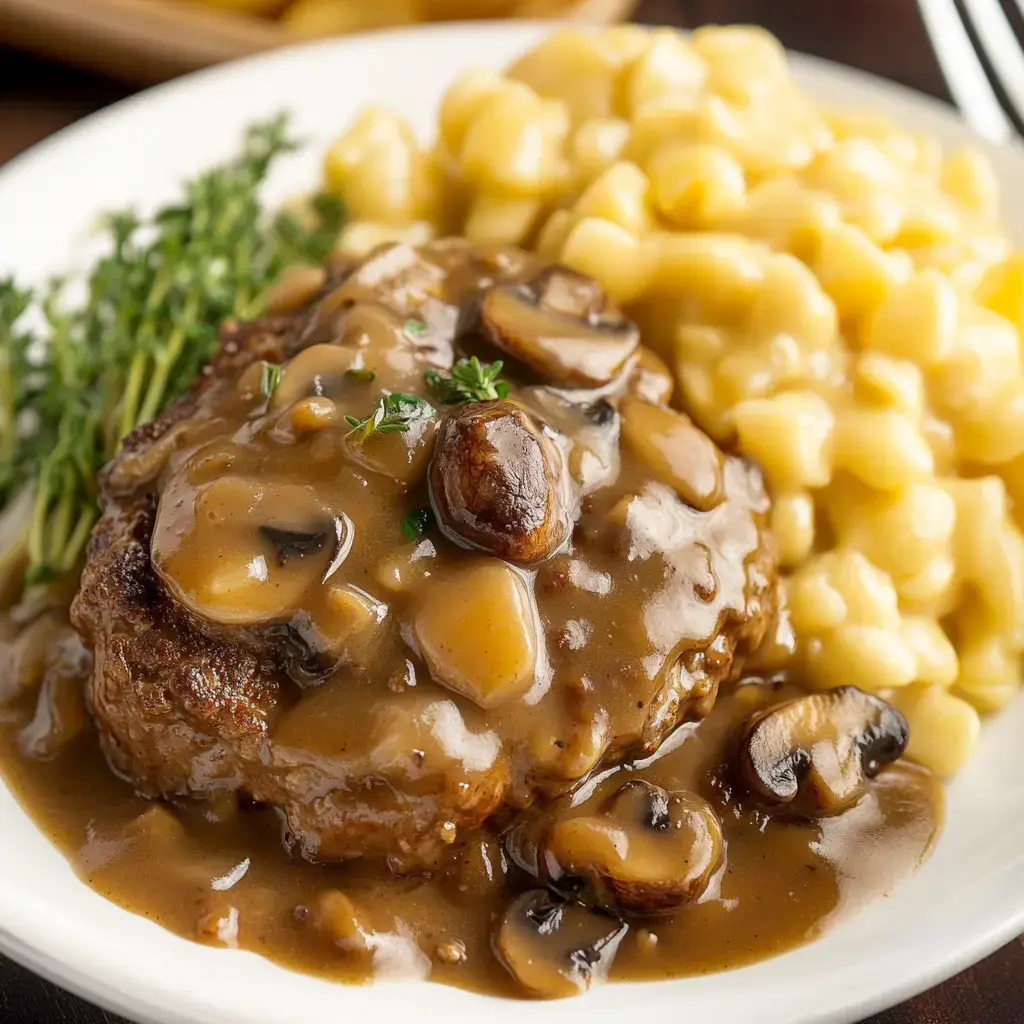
<point x="882" y="36"/>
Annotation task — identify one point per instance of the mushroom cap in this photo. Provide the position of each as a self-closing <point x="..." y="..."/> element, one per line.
<point x="814" y="754"/>
<point x="273" y="542"/>
<point x="556" y="949"/>
<point x="560" y="325"/>
<point x="648" y="851"/>
<point x="499" y="484"/>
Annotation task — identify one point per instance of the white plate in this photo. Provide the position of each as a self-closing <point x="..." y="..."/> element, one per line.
<point x="965" y="902"/>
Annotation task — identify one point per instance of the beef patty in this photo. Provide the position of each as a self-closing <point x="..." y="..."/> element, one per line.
<point x="395" y="592"/>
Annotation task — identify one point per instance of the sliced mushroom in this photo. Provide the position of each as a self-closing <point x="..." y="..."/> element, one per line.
<point x="294" y="543"/>
<point x="498" y="483"/>
<point x="394" y="272"/>
<point x="318" y="370"/>
<point x="650" y="379"/>
<point x="255" y="530"/>
<point x="342" y="630"/>
<point x="288" y="543"/>
<point x="647" y="852"/>
<point x="344" y="534"/>
<point x="814" y="754"/>
<point x="397" y="286"/>
<point x="590" y="426"/>
<point x="560" y="325"/>
<point x="675" y="450"/>
<point x="556" y="949"/>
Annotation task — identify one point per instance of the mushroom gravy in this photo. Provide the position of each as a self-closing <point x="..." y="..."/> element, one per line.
<point x="217" y="873"/>
<point x="467" y="638"/>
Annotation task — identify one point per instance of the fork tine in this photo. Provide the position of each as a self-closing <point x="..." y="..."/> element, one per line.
<point x="996" y="35"/>
<point x="963" y="72"/>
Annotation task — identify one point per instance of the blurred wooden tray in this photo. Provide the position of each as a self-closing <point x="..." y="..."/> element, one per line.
<point x="148" y="41"/>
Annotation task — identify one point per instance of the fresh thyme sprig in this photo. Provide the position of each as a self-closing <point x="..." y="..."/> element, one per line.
<point x="394" y="413"/>
<point x="14" y="369"/>
<point x="270" y="378"/>
<point x="471" y="381"/>
<point x="153" y="304"/>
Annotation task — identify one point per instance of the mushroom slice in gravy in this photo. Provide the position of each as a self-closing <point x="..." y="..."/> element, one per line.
<point x="650" y="379"/>
<point x="554" y="948"/>
<point x="239" y="551"/>
<point x="815" y="754"/>
<point x="562" y="327"/>
<point x="315" y="371"/>
<point x="589" y="423"/>
<point x="294" y="543"/>
<point x="394" y="270"/>
<point x="675" y="450"/>
<point x="648" y="852"/>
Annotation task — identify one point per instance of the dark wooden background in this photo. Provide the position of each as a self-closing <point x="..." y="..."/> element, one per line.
<point x="882" y="36"/>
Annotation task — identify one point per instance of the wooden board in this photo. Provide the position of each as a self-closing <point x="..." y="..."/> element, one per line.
<point x="144" y="41"/>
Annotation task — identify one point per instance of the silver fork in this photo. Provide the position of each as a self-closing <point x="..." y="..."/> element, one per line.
<point x="962" y="66"/>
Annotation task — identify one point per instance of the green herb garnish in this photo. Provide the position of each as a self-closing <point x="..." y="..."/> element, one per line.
<point x="310" y="238"/>
<point x="148" y="322"/>
<point x="270" y="379"/>
<point x="392" y="414"/>
<point x="14" y="369"/>
<point x="415" y="524"/>
<point x="414" y="328"/>
<point x="363" y="376"/>
<point x="471" y="381"/>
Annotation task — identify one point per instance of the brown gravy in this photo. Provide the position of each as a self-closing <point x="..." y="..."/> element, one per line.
<point x="781" y="886"/>
<point x="284" y="668"/>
